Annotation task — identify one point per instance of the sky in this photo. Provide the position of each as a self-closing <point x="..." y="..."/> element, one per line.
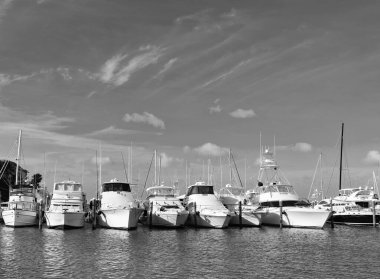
<point x="97" y="86"/>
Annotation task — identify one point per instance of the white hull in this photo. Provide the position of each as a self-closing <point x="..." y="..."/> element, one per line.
<point x="166" y="219"/>
<point x="19" y="218"/>
<point x="205" y="219"/>
<point x="248" y="218"/>
<point x="124" y="219"/>
<point x="297" y="217"/>
<point x="64" y="220"/>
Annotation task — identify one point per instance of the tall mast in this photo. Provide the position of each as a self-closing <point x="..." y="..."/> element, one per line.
<point x="18" y="156"/>
<point x="341" y="157"/>
<point x="229" y="161"/>
<point x="155" y="167"/>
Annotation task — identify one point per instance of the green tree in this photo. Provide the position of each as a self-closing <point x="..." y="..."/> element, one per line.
<point x="36" y="180"/>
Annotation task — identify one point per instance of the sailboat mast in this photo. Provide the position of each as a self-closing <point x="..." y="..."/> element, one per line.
<point x="18" y="157"/>
<point x="341" y="157"/>
<point x="155" y="167"/>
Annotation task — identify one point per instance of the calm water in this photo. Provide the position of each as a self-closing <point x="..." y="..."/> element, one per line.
<point x="343" y="252"/>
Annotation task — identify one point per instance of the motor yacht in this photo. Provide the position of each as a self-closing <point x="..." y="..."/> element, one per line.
<point x="163" y="208"/>
<point x="205" y="209"/>
<point x="67" y="207"/>
<point x="279" y="201"/>
<point x="118" y="208"/>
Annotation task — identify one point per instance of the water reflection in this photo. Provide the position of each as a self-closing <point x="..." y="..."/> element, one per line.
<point x="189" y="253"/>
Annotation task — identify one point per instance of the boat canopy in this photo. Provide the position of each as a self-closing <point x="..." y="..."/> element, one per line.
<point x="68" y="186"/>
<point x="116" y="187"/>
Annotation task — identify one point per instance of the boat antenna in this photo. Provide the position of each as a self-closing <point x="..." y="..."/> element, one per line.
<point x="341" y="156"/>
<point x="125" y="171"/>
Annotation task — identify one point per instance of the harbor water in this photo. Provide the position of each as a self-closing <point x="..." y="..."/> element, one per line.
<point x="342" y="252"/>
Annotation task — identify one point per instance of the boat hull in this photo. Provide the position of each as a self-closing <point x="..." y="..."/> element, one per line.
<point x="124" y="219"/>
<point x="296" y="217"/>
<point x="20" y="218"/>
<point x="355" y="218"/>
<point x="65" y="220"/>
<point x="206" y="219"/>
<point x="166" y="219"/>
<point x="248" y="219"/>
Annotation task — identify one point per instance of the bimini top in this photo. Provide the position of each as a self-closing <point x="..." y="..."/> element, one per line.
<point x="160" y="191"/>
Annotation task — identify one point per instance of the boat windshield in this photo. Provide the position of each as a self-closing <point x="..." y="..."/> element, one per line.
<point x="205" y="190"/>
<point x="278" y="188"/>
<point x="363" y="193"/>
<point x="116" y="187"/>
<point x="160" y="191"/>
<point x="71" y="187"/>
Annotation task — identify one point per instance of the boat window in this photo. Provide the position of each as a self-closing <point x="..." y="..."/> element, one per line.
<point x="77" y="187"/>
<point x="59" y="187"/>
<point x="363" y="193"/>
<point x="201" y="190"/>
<point x="116" y="187"/>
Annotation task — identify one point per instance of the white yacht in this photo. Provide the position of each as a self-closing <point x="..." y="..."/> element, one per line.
<point x="242" y="213"/>
<point x="22" y="208"/>
<point x="275" y="192"/>
<point x="205" y="209"/>
<point x="67" y="207"/>
<point x="118" y="208"/>
<point x="163" y="209"/>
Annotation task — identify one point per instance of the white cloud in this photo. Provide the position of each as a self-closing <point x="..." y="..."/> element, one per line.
<point x="242" y="113"/>
<point x="166" y="160"/>
<point x="302" y="147"/>
<point x="298" y="147"/>
<point x="216" y="108"/>
<point x="102" y="160"/>
<point x="210" y="149"/>
<point x="146" y="117"/>
<point x="373" y="156"/>
<point x="116" y="73"/>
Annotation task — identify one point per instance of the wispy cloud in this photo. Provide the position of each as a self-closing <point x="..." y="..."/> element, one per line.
<point x="166" y="67"/>
<point x="118" y="69"/>
<point x="146" y="117"/>
<point x="207" y="149"/>
<point x="243" y="113"/>
<point x="216" y="107"/>
<point x="373" y="156"/>
<point x="4" y="6"/>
